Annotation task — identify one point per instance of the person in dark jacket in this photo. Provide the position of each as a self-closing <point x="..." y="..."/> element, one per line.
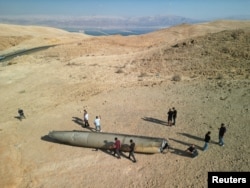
<point x="192" y="150"/>
<point x="132" y="149"/>
<point x="174" y="115"/>
<point x="207" y="140"/>
<point x="170" y="117"/>
<point x="222" y="131"/>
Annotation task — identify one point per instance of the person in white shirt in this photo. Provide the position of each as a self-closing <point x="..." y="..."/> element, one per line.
<point x="98" y="123"/>
<point x="86" y="118"/>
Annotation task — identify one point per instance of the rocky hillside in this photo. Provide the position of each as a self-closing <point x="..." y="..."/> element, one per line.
<point x="209" y="56"/>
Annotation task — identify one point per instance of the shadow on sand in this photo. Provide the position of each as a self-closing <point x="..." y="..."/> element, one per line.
<point x="154" y="120"/>
<point x="197" y="138"/>
<point x="180" y="152"/>
<point x="192" y="136"/>
<point x="80" y="122"/>
<point x="185" y="143"/>
<point x="19" y="118"/>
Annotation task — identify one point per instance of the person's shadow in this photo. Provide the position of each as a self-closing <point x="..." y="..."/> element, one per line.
<point x="19" y="118"/>
<point x="180" y="152"/>
<point x="185" y="143"/>
<point x="192" y="136"/>
<point x="80" y="122"/>
<point x="154" y="120"/>
<point x="196" y="138"/>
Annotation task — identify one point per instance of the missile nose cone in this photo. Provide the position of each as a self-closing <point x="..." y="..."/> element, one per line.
<point x="51" y="134"/>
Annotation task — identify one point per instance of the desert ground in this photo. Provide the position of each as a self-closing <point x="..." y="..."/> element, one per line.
<point x="202" y="70"/>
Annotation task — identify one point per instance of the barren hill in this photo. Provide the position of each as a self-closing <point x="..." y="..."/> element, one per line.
<point x="202" y="70"/>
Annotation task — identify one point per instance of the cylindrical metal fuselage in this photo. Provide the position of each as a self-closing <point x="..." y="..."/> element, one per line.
<point x="101" y="140"/>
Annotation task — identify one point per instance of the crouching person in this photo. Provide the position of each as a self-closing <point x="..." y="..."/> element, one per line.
<point x="192" y="150"/>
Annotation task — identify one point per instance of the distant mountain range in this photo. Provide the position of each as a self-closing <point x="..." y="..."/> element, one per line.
<point x="99" y="22"/>
<point x="103" y="25"/>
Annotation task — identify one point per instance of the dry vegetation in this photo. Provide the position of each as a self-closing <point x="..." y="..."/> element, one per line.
<point x="202" y="70"/>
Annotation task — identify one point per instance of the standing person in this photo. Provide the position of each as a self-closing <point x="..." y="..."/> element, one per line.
<point x="86" y="118"/>
<point x="170" y="117"/>
<point x="132" y="149"/>
<point x="222" y="131"/>
<point x="21" y="114"/>
<point x="207" y="140"/>
<point x="117" y="147"/>
<point x="174" y="115"/>
<point x="97" y="123"/>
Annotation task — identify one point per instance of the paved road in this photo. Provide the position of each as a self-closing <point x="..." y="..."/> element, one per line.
<point x="23" y="52"/>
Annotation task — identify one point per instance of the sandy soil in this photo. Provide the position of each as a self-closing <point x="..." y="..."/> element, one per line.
<point x="131" y="82"/>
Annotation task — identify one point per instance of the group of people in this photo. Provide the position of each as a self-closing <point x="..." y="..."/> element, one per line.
<point x="97" y="121"/>
<point x="117" y="145"/>
<point x="172" y="115"/>
<point x="222" y="130"/>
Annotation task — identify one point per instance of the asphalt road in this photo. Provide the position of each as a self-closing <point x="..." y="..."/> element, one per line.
<point x="10" y="56"/>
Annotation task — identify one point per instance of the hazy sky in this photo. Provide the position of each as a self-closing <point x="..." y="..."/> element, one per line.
<point x="198" y="9"/>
